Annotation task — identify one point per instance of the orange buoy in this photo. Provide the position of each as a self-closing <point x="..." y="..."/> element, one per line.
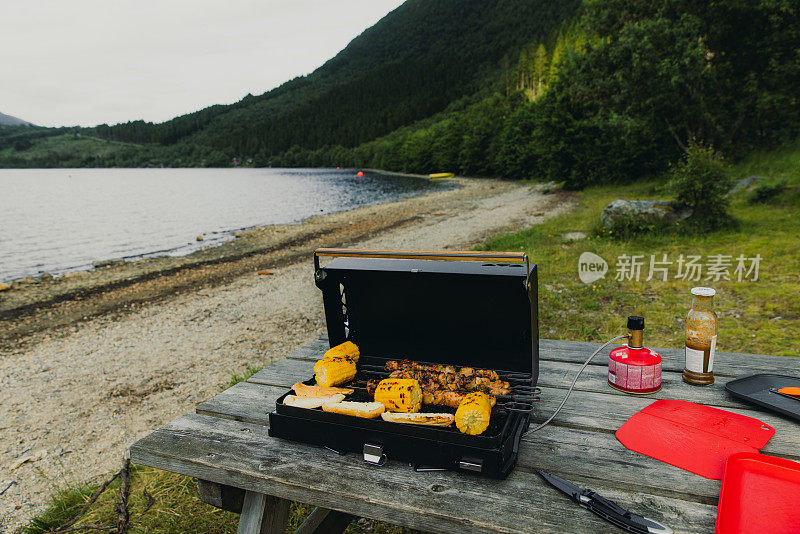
<point x="337" y="168"/>
<point x="360" y="174"/>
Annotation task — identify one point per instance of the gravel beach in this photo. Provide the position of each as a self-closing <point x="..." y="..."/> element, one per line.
<point x="85" y="375"/>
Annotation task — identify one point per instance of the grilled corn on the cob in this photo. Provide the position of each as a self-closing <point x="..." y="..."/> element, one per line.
<point x="348" y="350"/>
<point x="399" y="394"/>
<point x="472" y="415"/>
<point x="334" y="373"/>
<point x="338" y="359"/>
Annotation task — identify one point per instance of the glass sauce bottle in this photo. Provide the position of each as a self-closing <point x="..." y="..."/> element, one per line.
<point x="701" y="338"/>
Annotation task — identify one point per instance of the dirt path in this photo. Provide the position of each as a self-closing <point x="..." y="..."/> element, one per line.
<point x="73" y="398"/>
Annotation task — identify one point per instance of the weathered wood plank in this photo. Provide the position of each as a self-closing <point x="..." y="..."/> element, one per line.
<point x="246" y="401"/>
<point x="603" y="412"/>
<point x="284" y="373"/>
<point x="436" y="502"/>
<point x="263" y="514"/>
<point x="729" y="364"/>
<point x="311" y="351"/>
<point x="324" y="521"/>
<point x="595" y="378"/>
<point x="593" y="458"/>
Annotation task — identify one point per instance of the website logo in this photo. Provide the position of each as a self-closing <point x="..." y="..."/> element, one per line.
<point x="591" y="267"/>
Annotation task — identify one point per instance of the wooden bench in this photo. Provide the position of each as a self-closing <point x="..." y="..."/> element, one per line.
<point x="240" y="468"/>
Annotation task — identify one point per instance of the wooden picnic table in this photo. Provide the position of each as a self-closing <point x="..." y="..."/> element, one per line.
<point x="239" y="467"/>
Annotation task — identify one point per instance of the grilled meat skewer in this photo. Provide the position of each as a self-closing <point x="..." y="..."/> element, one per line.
<point x="408" y="365"/>
<point x="456" y="382"/>
<point x="482" y="373"/>
<point x="431" y="394"/>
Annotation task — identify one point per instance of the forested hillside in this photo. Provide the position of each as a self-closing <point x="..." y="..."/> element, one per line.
<point x="616" y="96"/>
<point x="579" y="92"/>
<point x="412" y="64"/>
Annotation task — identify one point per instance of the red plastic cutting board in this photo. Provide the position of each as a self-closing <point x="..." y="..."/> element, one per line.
<point x="692" y="436"/>
<point x="747" y="430"/>
<point x="759" y="494"/>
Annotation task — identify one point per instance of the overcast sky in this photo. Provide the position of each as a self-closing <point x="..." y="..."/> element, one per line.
<point x="87" y="62"/>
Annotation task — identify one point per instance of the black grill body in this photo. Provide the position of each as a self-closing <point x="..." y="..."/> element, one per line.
<point x="462" y="313"/>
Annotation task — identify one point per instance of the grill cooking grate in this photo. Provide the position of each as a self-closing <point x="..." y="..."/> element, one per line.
<point x="520" y="400"/>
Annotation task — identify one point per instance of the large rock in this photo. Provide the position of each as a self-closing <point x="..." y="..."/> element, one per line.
<point x="574" y="236"/>
<point x="621" y="213"/>
<point x="745" y="183"/>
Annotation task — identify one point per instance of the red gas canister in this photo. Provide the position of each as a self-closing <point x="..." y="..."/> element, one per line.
<point x="634" y="368"/>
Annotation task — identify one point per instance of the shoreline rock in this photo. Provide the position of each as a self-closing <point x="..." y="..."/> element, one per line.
<point x="621" y="213"/>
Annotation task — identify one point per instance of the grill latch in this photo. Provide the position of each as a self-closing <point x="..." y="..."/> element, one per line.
<point x="471" y="464"/>
<point x="373" y="454"/>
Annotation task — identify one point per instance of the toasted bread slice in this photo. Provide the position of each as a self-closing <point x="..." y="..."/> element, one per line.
<point x="369" y="410"/>
<point x="431" y="419"/>
<point x="311" y="402"/>
<point x="304" y="390"/>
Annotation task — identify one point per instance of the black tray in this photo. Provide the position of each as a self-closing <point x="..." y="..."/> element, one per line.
<point x="415" y="444"/>
<point x="425" y="447"/>
<point x="755" y="388"/>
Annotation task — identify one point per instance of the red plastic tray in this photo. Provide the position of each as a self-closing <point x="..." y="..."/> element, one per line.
<point x="760" y="494"/>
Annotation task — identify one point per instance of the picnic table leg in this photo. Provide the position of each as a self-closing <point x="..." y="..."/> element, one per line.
<point x="324" y="521"/>
<point x="263" y="514"/>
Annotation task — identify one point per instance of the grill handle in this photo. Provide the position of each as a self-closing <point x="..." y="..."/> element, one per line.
<point x="440" y="255"/>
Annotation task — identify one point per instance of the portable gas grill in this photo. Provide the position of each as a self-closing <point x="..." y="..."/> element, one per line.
<point x="475" y="309"/>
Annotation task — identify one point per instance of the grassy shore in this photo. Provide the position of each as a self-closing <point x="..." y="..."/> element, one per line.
<point x="761" y="316"/>
<point x="757" y="316"/>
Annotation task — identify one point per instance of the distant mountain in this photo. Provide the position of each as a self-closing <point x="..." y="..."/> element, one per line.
<point x="8" y="120"/>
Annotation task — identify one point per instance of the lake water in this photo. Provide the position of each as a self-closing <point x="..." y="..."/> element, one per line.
<point x="61" y="220"/>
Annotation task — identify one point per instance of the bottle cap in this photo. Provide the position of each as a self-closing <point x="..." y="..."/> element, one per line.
<point x="704" y="291"/>
<point x="635" y="322"/>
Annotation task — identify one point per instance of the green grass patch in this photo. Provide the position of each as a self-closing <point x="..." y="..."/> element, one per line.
<point x="64" y="505"/>
<point x="243" y="376"/>
<point x="761" y="316"/>
<point x="177" y="508"/>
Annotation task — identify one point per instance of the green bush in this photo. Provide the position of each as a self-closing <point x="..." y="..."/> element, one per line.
<point x="700" y="182"/>
<point x="766" y="192"/>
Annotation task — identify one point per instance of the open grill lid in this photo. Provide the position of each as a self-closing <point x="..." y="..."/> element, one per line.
<point x="463" y="308"/>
